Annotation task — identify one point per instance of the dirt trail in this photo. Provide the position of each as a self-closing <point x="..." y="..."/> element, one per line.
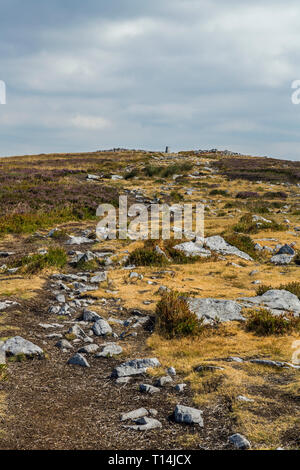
<point x="52" y="405"/>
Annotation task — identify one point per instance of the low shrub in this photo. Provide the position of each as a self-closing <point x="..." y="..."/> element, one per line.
<point x="174" y="318"/>
<point x="175" y="196"/>
<point x="276" y="195"/>
<point x="247" y="195"/>
<point x="246" y="224"/>
<point x="56" y="257"/>
<point x="132" y="174"/>
<point x="297" y="258"/>
<point x="146" y="256"/>
<point x="219" y="192"/>
<point x="167" y="171"/>
<point x="243" y="243"/>
<point x="263" y="323"/>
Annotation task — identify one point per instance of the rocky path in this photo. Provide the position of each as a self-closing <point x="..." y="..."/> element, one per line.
<point x="55" y="405"/>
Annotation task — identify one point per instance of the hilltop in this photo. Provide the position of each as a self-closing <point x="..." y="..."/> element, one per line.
<point x="223" y="311"/>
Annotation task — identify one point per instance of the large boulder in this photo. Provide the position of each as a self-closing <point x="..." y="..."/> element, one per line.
<point x="99" y="277"/>
<point x="286" y="250"/>
<point x="135" y="367"/>
<point x="213" y="309"/>
<point x="193" y="249"/>
<point x="218" y="244"/>
<point x="277" y="300"/>
<point x="19" y="346"/>
<point x="281" y="260"/>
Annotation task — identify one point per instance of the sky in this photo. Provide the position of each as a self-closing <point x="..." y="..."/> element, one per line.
<point x="190" y="74"/>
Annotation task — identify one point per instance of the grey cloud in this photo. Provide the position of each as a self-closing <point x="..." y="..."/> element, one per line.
<point x="187" y="73"/>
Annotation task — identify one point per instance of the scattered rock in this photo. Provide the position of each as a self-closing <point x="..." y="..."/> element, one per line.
<point x="135" y="367"/>
<point x="171" y="371"/>
<point x="146" y="388"/>
<point x="101" y="328"/>
<point x="123" y="380"/>
<point x="90" y="316"/>
<point x="63" y="344"/>
<point x="277" y="300"/>
<point x="286" y="250"/>
<point x="163" y="381"/>
<point x="244" y="399"/>
<point x="281" y="260"/>
<point x="180" y="388"/>
<point x="79" y="240"/>
<point x="89" y="349"/>
<point x="218" y="244"/>
<point x="193" y="249"/>
<point x="78" y="360"/>
<point x="234" y="359"/>
<point x="99" y="277"/>
<point x="6" y="304"/>
<point x="216" y="309"/>
<point x="187" y="415"/>
<point x="267" y="362"/>
<point x="110" y="350"/>
<point x="18" y="345"/>
<point x="135" y="414"/>
<point x="77" y="331"/>
<point x="239" y="442"/>
<point x="145" y="424"/>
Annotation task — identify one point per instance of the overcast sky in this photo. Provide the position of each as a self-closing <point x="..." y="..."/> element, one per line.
<point x="96" y="74"/>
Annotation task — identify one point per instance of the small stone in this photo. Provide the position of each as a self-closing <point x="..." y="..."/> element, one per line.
<point x="180" y="388"/>
<point x="61" y="298"/>
<point x="234" y="359"/>
<point x="123" y="380"/>
<point x="89" y="349"/>
<point x="207" y="368"/>
<point x="78" y="360"/>
<point x="171" y="371"/>
<point x="135" y="367"/>
<point x="79" y="240"/>
<point x="2" y="354"/>
<point x="101" y="328"/>
<point x="64" y="344"/>
<point x="90" y="316"/>
<point x="188" y="415"/>
<point x="286" y="250"/>
<point x="17" y="345"/>
<point x="280" y="260"/>
<point x="99" y="277"/>
<point x="76" y="331"/>
<point x="135" y="414"/>
<point x="146" y="388"/>
<point x="239" y="442"/>
<point x="110" y="350"/>
<point x="162" y="381"/>
<point x="145" y="424"/>
<point x="244" y="399"/>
